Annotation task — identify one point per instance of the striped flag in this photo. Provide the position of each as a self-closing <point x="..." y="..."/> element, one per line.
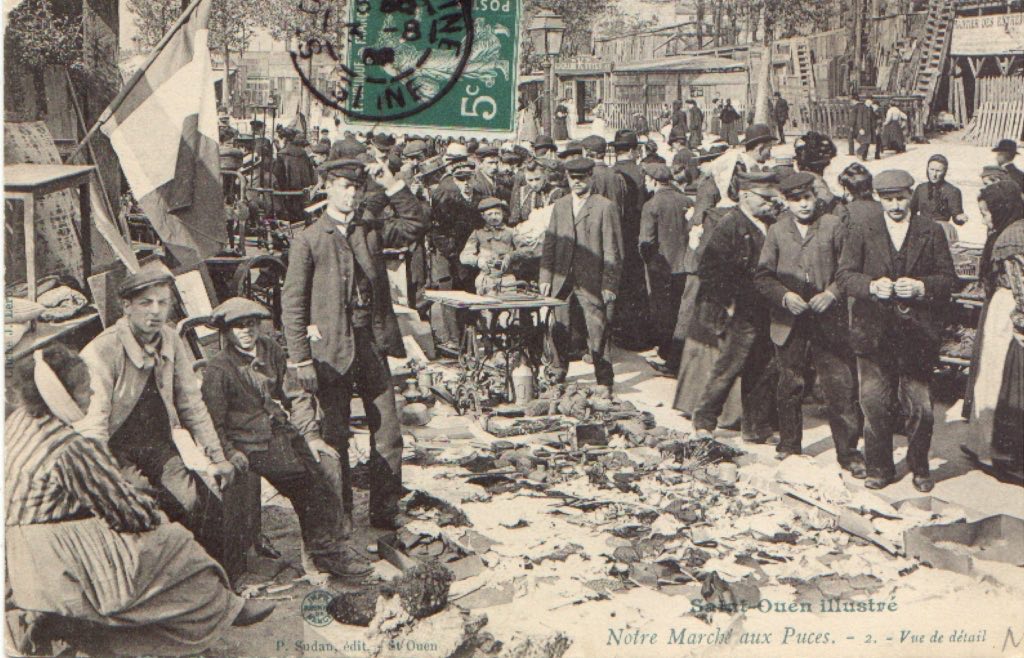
<point x="163" y="127"/>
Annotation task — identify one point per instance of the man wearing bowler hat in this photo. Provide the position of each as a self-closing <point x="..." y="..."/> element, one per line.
<point x="340" y="325"/>
<point x="809" y="326"/>
<point x="581" y="263"/>
<point x="898" y="270"/>
<point x="664" y="235"/>
<point x="757" y="150"/>
<point x="630" y="326"/>
<point x="544" y="146"/>
<point x="604" y="180"/>
<point x="729" y="307"/>
<point x="1006" y="151"/>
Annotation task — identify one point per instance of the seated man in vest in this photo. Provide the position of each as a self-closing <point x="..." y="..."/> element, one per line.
<point x="146" y="401"/>
<point x="244" y="389"/>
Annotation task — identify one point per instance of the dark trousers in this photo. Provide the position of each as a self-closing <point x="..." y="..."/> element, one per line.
<point x="180" y="494"/>
<point x="884" y="390"/>
<point x="782" y="131"/>
<point x="289" y="467"/>
<point x="666" y="293"/>
<point x="746" y="352"/>
<point x="447" y="274"/>
<point x="807" y="347"/>
<point x="564" y="320"/>
<point x="850" y="141"/>
<point x="862" y="150"/>
<point x="370" y="377"/>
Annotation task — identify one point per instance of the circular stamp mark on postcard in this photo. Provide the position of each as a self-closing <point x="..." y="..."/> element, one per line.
<point x="314" y="608"/>
<point x="391" y="60"/>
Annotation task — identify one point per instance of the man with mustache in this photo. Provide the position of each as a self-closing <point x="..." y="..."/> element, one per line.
<point x="897" y="268"/>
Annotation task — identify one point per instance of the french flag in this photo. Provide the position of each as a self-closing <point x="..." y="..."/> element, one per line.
<point x="163" y="127"/>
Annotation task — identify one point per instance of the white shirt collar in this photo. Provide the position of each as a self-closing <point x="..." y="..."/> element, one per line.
<point x="343" y="222"/>
<point x="761" y="226"/>
<point x="897" y="231"/>
<point x="802" y="228"/>
<point x="578" y="201"/>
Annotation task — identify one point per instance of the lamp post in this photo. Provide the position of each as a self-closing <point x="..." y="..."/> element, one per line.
<point x="546" y="30"/>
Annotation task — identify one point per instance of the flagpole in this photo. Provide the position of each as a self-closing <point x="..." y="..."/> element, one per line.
<point x="116" y="103"/>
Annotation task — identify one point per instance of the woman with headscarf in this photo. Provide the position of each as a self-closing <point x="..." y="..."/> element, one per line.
<point x="939" y="200"/>
<point x="89" y="556"/>
<point x="996" y="387"/>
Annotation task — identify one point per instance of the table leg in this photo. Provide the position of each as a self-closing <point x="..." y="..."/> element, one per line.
<point x="86" y="229"/>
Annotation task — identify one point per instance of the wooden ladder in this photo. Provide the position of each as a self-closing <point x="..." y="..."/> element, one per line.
<point x="934" y="47"/>
<point x="804" y="67"/>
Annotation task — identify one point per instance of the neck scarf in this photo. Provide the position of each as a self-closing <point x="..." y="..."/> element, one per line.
<point x="56" y="397"/>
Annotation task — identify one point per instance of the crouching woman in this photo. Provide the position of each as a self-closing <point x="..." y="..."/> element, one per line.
<point x="84" y="544"/>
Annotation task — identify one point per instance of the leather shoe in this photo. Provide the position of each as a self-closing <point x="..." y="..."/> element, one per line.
<point x="857" y="470"/>
<point x="342" y="567"/>
<point x="253" y="612"/>
<point x="923" y="483"/>
<point x="876" y="483"/>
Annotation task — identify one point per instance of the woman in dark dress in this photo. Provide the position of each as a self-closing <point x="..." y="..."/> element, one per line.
<point x="996" y="435"/>
<point x="679" y="129"/>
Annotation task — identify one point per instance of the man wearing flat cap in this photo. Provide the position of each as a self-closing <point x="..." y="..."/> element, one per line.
<point x="146" y="404"/>
<point x="809" y="326"/>
<point x="664" y="235"/>
<point x="939" y="200"/>
<point x="730" y="307"/>
<point x="581" y="262"/>
<point x="340" y="325"/>
<point x="1006" y="151"/>
<point x="630" y="325"/>
<point x="898" y="270"/>
<point x="604" y="180"/>
<point x="245" y="388"/>
<point x="484" y="180"/>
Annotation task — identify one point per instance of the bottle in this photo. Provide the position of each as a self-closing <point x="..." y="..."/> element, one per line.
<point x="522" y="383"/>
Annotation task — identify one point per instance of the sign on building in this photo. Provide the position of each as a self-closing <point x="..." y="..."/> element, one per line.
<point x="988" y="35"/>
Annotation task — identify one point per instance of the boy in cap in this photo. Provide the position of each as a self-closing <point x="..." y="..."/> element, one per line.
<point x="939" y="200"/>
<point x="664" y="235"/>
<point x="796" y="275"/>
<point x="146" y="402"/>
<point x="340" y="325"/>
<point x="729" y="306"/>
<point x="581" y="262"/>
<point x="898" y="270"/>
<point x="489" y="249"/>
<point x="244" y="387"/>
<point x="1006" y="151"/>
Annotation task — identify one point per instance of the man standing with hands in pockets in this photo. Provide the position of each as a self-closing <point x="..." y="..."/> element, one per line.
<point x="897" y="268"/>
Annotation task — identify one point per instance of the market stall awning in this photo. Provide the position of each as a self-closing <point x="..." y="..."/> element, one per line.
<point x="708" y="63"/>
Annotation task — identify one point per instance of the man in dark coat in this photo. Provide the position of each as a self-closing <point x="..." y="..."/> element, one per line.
<point x="663" y="240"/>
<point x="679" y="123"/>
<point x="695" y="120"/>
<point x="630" y="325"/>
<point x="340" y="325"/>
<point x="780" y="114"/>
<point x="485" y="183"/>
<point x="729" y="305"/>
<point x="796" y="275"/>
<point x="246" y="390"/>
<point x="604" y="180"/>
<point x="1006" y="151"/>
<point x="863" y="127"/>
<point x="581" y="262"/>
<point x="293" y="172"/>
<point x="898" y="270"/>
